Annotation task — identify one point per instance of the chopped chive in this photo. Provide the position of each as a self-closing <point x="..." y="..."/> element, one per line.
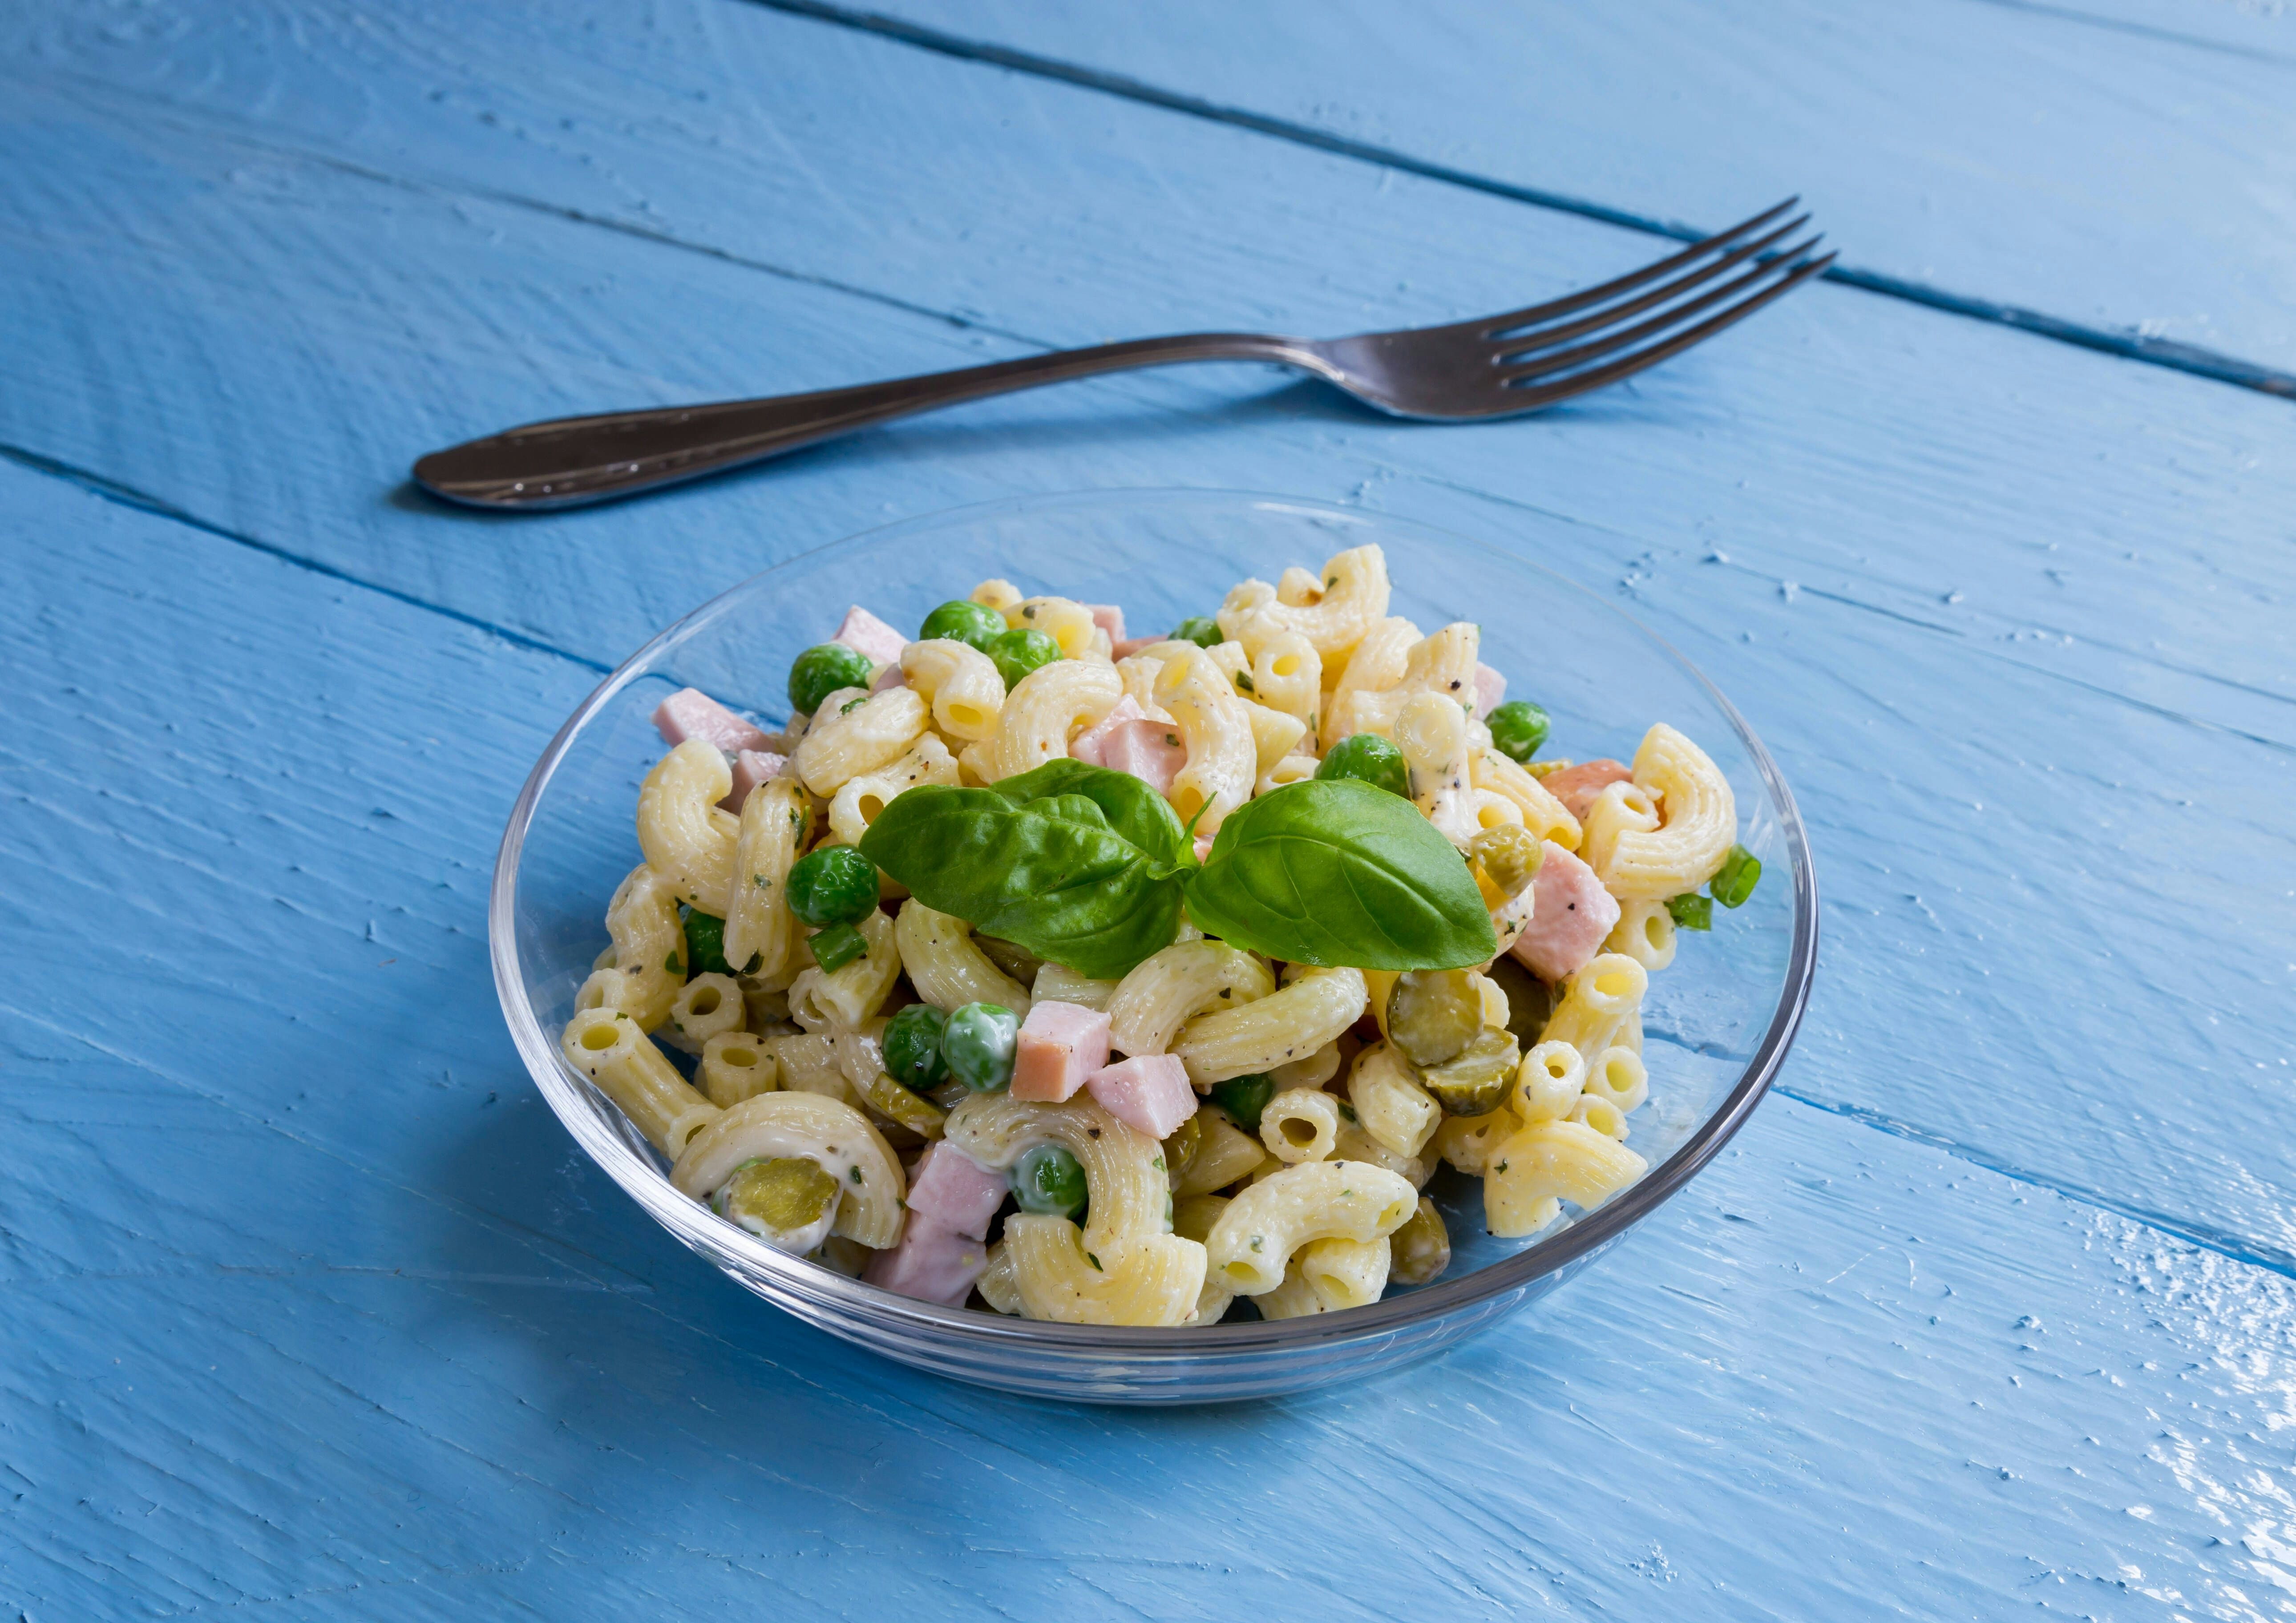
<point x="1692" y="911"/>
<point x="1735" y="880"/>
<point x="837" y="945"/>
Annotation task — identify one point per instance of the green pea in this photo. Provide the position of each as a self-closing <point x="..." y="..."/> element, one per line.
<point x="979" y="1041"/>
<point x="834" y="885"/>
<point x="1369" y="758"/>
<point x="1244" y="1098"/>
<point x="705" y="944"/>
<point x="1692" y="911"/>
<point x="1201" y="630"/>
<point x="912" y="1042"/>
<point x="975" y="624"/>
<point x="1518" y="728"/>
<point x="835" y="946"/>
<point x="820" y="670"/>
<point x="1734" y="881"/>
<point x="1047" y="1182"/>
<point x="1019" y="652"/>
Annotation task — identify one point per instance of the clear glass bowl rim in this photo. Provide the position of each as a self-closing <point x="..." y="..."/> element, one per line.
<point x="827" y="1292"/>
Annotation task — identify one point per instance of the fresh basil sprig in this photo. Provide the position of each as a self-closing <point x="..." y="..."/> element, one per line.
<point x="1335" y="872"/>
<point x="1066" y="861"/>
<point x="1090" y="868"/>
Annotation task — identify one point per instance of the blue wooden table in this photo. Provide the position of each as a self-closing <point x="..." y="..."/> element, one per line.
<point x="311" y="1309"/>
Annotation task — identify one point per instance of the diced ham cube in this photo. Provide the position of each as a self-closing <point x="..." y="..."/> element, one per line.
<point x="1089" y="743"/>
<point x="1062" y="1043"/>
<point x="1571" y="913"/>
<point x="866" y="634"/>
<point x="950" y="1188"/>
<point x="892" y="676"/>
<point x="1150" y="750"/>
<point x="1490" y="689"/>
<point x="1148" y="1091"/>
<point x="1125" y="647"/>
<point x="1204" y="846"/>
<point x="752" y="768"/>
<point x="1576" y="786"/>
<point x="1110" y="618"/>
<point x="931" y="1263"/>
<point x="691" y="713"/>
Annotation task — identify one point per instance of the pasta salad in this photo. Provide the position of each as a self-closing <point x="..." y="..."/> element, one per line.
<point x="1110" y="980"/>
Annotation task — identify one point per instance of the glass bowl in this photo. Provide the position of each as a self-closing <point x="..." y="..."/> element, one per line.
<point x="1717" y="1024"/>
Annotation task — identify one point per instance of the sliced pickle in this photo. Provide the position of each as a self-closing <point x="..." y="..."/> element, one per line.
<point x="787" y="1202"/>
<point x="1433" y="1015"/>
<point x="1422" y="1246"/>
<point x="1509" y="857"/>
<point x="1530" y="1001"/>
<point x="1474" y="1082"/>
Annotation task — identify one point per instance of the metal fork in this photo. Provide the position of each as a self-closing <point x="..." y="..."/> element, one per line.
<point x="1497" y="366"/>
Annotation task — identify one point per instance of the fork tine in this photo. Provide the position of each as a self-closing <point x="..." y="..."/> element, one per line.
<point x="1616" y="339"/>
<point x="1495" y="325"/>
<point x="1634" y="361"/>
<point x="1543" y="337"/>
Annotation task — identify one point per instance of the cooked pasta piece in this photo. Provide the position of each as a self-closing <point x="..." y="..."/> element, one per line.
<point x="1287" y="1025"/>
<point x="647" y="963"/>
<point x="1045" y="711"/>
<point x="761" y="933"/>
<point x="704" y="1007"/>
<point x="1062" y="1275"/>
<point x="835" y="1138"/>
<point x="1225" y="1153"/>
<point x="1644" y="933"/>
<point x="1597" y="1003"/>
<point x="1215" y="726"/>
<point x="840" y="1000"/>
<point x="606" y="1046"/>
<point x="960" y="683"/>
<point x="1548" y="1082"/>
<point x="1542" y="814"/>
<point x="736" y="1066"/>
<point x="864" y="797"/>
<point x="1256" y="1236"/>
<point x="1300" y="1124"/>
<point x="1701" y="820"/>
<point x="1346" y="1273"/>
<point x="1537" y="1168"/>
<point x="1618" y="1077"/>
<point x="1389" y="1104"/>
<point x="1349" y="598"/>
<point x="687" y="839"/>
<point x="1123" y="1169"/>
<point x="947" y="967"/>
<point x="1066" y="621"/>
<point x="851" y="738"/>
<point x="1173" y="985"/>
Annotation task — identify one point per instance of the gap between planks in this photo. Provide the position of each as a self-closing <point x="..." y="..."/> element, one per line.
<point x="2232" y="1247"/>
<point x="2128" y="345"/>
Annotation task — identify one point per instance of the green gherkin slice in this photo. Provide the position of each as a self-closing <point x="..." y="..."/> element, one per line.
<point x="1473" y="1082"/>
<point x="785" y="1196"/>
<point x="1433" y="1015"/>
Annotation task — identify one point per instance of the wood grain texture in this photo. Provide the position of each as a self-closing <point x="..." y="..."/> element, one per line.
<point x="311" y="1306"/>
<point x="2131" y="172"/>
<point x="2014" y="615"/>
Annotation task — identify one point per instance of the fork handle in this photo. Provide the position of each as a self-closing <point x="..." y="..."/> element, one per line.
<point x="569" y="461"/>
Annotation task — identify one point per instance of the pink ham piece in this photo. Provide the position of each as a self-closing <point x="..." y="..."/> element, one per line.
<point x="1204" y="846"/>
<point x="1490" y="689"/>
<point x="691" y="713"/>
<point x="892" y="676"/>
<point x="1089" y="743"/>
<point x="1576" y="786"/>
<point x="752" y="768"/>
<point x="1062" y="1043"/>
<point x="1571" y="913"/>
<point x="865" y="634"/>
<point x="1150" y="750"/>
<point x="1149" y="1091"/>
<point x="949" y="1188"/>
<point x="1110" y="618"/>
<point x="1125" y="647"/>
<point x="931" y="1263"/>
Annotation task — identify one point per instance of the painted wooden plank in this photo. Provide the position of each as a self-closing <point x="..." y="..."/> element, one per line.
<point x="311" y="1303"/>
<point x="1969" y="761"/>
<point x="2128" y="181"/>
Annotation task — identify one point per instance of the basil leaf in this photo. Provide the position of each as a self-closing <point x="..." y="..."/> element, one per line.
<point x="1333" y="872"/>
<point x="1032" y="873"/>
<point x="1133" y="810"/>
